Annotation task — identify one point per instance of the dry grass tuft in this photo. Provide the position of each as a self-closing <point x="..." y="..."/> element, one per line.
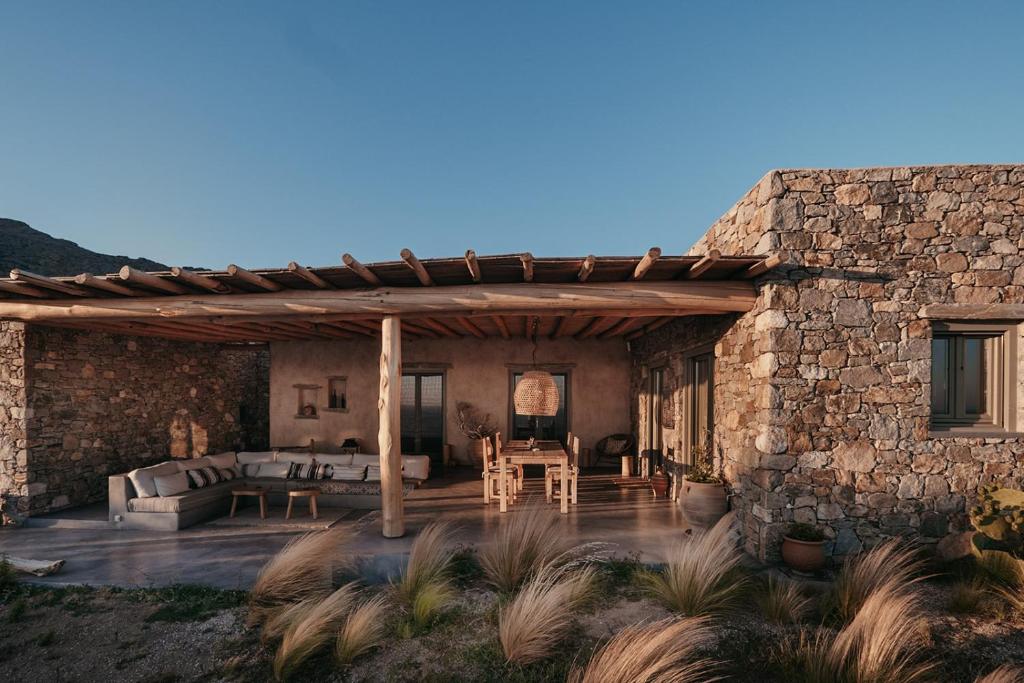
<point x="526" y="543"/>
<point x="888" y="564"/>
<point x="967" y="597"/>
<point x="1004" y="674"/>
<point x="877" y="646"/>
<point x="300" y="570"/>
<point x="312" y="629"/>
<point x="662" y="651"/>
<point x="531" y="625"/>
<point x="277" y="621"/>
<point x="782" y="601"/>
<point x="364" y="629"/>
<point x="699" y="577"/>
<point x="430" y="600"/>
<point x="429" y="562"/>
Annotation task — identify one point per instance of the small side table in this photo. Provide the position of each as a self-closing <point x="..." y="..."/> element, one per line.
<point x="250" y="491"/>
<point x="303" y="493"/>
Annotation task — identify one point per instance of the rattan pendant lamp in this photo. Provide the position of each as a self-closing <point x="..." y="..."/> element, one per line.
<point x="536" y="393"/>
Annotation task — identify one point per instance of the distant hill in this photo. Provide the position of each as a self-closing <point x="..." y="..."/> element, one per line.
<point x="28" y="249"/>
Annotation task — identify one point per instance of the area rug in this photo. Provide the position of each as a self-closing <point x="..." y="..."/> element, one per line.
<point x="249" y="516"/>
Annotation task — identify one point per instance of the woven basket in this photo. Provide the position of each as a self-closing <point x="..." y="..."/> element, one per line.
<point x="536" y="394"/>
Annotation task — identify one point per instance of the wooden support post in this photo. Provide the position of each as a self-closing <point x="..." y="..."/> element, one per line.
<point x="389" y="434"/>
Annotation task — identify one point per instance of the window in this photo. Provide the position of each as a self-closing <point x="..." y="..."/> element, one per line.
<point x="972" y="377"/>
<point x="700" y="401"/>
<point x="555" y="428"/>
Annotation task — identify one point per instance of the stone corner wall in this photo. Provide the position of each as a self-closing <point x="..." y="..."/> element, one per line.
<point x="834" y="427"/>
<point x="97" y="404"/>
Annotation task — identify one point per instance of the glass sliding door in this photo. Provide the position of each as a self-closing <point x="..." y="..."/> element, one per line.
<point x="700" y="404"/>
<point x="423" y="416"/>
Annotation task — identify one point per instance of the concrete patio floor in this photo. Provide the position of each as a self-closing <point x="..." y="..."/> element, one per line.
<point x="627" y="518"/>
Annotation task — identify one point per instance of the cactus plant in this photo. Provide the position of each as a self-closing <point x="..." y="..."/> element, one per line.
<point x="998" y="520"/>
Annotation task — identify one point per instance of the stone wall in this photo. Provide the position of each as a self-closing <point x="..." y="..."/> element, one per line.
<point x="99" y="404"/>
<point x="13" y="439"/>
<point x="834" y="428"/>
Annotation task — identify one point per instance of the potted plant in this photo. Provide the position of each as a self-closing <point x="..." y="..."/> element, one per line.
<point x="659" y="483"/>
<point x="803" y="547"/>
<point x="703" y="498"/>
<point x="476" y="427"/>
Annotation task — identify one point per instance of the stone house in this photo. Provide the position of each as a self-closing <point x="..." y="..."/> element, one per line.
<point x="864" y="378"/>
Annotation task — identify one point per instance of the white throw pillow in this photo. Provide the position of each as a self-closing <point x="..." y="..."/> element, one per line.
<point x="348" y="472"/>
<point x="373" y="473"/>
<point x="274" y="469"/>
<point x="223" y="460"/>
<point x="142" y="478"/>
<point x="171" y="484"/>
<point x="193" y="464"/>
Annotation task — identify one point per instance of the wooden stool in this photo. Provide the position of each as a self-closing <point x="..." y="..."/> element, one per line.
<point x="250" y="491"/>
<point x="303" y="493"/>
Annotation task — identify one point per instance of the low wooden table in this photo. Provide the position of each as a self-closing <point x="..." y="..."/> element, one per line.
<point x="310" y="493"/>
<point x="249" y="491"/>
<point x="517" y="453"/>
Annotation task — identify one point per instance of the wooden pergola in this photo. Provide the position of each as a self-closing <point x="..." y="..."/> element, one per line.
<point x="480" y="296"/>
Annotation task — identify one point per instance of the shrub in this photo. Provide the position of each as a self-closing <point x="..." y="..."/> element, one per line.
<point x="363" y="630"/>
<point x="966" y="597"/>
<point x="799" y="531"/>
<point x="661" y="651"/>
<point x="430" y="560"/>
<point x="1004" y="674"/>
<point x="699" y="577"/>
<point x="531" y="625"/>
<point x="526" y="543"/>
<point x="782" y="602"/>
<point x="300" y="570"/>
<point x="429" y="602"/>
<point x="311" y="629"/>
<point x="886" y="564"/>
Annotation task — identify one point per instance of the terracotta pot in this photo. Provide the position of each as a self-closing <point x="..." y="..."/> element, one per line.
<point x="803" y="556"/>
<point x="659" y="484"/>
<point x="703" y="504"/>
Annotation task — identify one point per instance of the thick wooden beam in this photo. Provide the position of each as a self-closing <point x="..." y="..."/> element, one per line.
<point x="527" y="260"/>
<point x="253" y="279"/>
<point x="199" y="281"/>
<point x="502" y="326"/>
<point x="362" y="271"/>
<point x="762" y="267"/>
<point x="652" y="255"/>
<point x="586" y="268"/>
<point x="473" y="265"/>
<point x="44" y="282"/>
<point x="149" y="281"/>
<point x="700" y="267"/>
<point x="621" y="299"/>
<point x="309" y="276"/>
<point x="389" y="433"/>
<point x="23" y="289"/>
<point x="105" y="285"/>
<point x="421" y="273"/>
<point x="468" y="325"/>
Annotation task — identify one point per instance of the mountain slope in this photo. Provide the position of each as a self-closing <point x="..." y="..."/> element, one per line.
<point x="28" y="249"/>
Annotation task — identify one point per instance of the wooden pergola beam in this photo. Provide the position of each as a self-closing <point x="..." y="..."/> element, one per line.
<point x="586" y="268"/>
<point x="562" y="328"/>
<point x="251" y="278"/>
<point x="104" y="285"/>
<point x="621" y="299"/>
<point x="652" y="255"/>
<point x="362" y="271"/>
<point x="150" y="281"/>
<point x="762" y="267"/>
<point x="701" y="266"/>
<point x="596" y="325"/>
<point x="433" y="327"/>
<point x="473" y="265"/>
<point x="470" y="327"/>
<point x="649" y="328"/>
<point x="527" y="260"/>
<point x="309" y="276"/>
<point x="45" y="282"/>
<point x="502" y="326"/>
<point x="421" y="273"/>
<point x="23" y="289"/>
<point x="621" y="327"/>
<point x="199" y="281"/>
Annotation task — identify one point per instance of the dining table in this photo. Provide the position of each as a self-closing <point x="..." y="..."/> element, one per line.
<point x="519" y="452"/>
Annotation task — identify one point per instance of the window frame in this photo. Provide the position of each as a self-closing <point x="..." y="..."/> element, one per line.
<point x="1000" y="379"/>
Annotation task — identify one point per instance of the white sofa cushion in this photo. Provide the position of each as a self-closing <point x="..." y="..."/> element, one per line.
<point x="223" y="460"/>
<point x="273" y="469"/>
<point x="333" y="458"/>
<point x="142" y="478"/>
<point x="366" y="459"/>
<point x="415" y="466"/>
<point x="193" y="464"/>
<point x="348" y="472"/>
<point x="373" y="473"/>
<point x="300" y="458"/>
<point x="249" y="457"/>
<point x="171" y="484"/>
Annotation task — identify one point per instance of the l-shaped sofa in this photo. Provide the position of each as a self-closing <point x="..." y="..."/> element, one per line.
<point x="179" y="493"/>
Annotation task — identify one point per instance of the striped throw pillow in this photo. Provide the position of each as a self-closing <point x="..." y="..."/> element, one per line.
<point x="303" y="471"/>
<point x="204" y="476"/>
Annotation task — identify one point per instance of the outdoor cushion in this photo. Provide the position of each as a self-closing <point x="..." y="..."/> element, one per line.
<point x="366" y="459"/>
<point x="301" y="458"/>
<point x="189" y="500"/>
<point x="333" y="458"/>
<point x="222" y="460"/>
<point x="373" y="473"/>
<point x="247" y="457"/>
<point x="142" y="478"/>
<point x="300" y="471"/>
<point x="201" y="477"/>
<point x="273" y="469"/>
<point x="348" y="472"/>
<point x="415" y="466"/>
<point x="193" y="463"/>
<point x="171" y="484"/>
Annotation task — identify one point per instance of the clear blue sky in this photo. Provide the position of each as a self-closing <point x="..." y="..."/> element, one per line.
<point x="260" y="132"/>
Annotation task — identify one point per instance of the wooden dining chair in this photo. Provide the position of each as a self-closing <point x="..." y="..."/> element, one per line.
<point x="553" y="473"/>
<point x="518" y="468"/>
<point x="492" y="475"/>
